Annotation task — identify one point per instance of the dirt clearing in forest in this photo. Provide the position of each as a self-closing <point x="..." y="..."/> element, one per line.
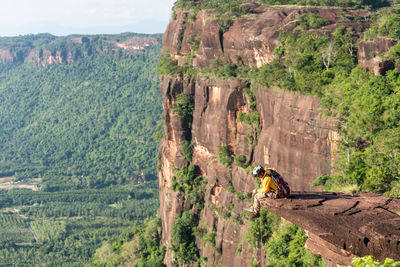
<point x="29" y="183"/>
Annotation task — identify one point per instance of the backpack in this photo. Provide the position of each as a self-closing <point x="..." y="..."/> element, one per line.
<point x="283" y="187"/>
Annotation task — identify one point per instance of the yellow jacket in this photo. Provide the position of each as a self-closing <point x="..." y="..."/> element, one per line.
<point x="267" y="184"/>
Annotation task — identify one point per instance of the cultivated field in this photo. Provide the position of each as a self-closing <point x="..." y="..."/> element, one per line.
<point x="9" y="183"/>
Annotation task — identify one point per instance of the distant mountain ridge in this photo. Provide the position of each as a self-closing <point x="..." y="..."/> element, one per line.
<point x="44" y="49"/>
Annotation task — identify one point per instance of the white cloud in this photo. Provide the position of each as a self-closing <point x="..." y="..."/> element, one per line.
<point x="81" y="13"/>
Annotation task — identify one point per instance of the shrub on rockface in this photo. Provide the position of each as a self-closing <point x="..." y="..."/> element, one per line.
<point x="241" y="161"/>
<point x="282" y="241"/>
<point x="183" y="239"/>
<point x="286" y="248"/>
<point x="368" y="261"/>
<point x="183" y="106"/>
<point x="311" y="21"/>
<point x="187" y="149"/>
<point x="188" y="181"/>
<point x="225" y="156"/>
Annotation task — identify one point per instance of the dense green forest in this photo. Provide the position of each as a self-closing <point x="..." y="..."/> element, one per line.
<point x="65" y="228"/>
<point x="139" y="245"/>
<point x="82" y="133"/>
<point x="80" y="125"/>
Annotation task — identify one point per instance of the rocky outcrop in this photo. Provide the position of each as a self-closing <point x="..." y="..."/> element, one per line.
<point x="291" y="135"/>
<point x="6" y="55"/>
<point x="340" y="227"/>
<point x="251" y="38"/>
<point x="370" y="55"/>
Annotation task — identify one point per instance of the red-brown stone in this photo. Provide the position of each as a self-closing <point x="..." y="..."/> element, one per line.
<point x="341" y="226"/>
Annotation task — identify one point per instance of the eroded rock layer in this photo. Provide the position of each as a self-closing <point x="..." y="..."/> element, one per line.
<point x="341" y="227"/>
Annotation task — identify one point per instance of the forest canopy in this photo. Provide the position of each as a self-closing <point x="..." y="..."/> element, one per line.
<point x="80" y="125"/>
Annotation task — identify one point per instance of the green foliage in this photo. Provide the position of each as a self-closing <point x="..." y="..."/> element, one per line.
<point x="342" y="3"/>
<point x="226" y="69"/>
<point x="239" y="249"/>
<point x="311" y="21"/>
<point x="368" y="114"/>
<point x="251" y="119"/>
<point x="210" y="238"/>
<point x="368" y="261"/>
<point x="168" y="66"/>
<point x="185" y="4"/>
<point x="286" y="248"/>
<point x="85" y="128"/>
<point x="139" y="245"/>
<point x="225" y="11"/>
<point x="283" y="241"/>
<point x="188" y="181"/>
<point x="69" y="225"/>
<point x="183" y="106"/>
<point x="81" y="238"/>
<point x="159" y="132"/>
<point x="187" y="149"/>
<point x="261" y="228"/>
<point x="387" y="24"/>
<point x="195" y="42"/>
<point x="49" y="230"/>
<point x="321" y="180"/>
<point x="241" y="161"/>
<point x="230" y="187"/>
<point x="224" y="156"/>
<point x="241" y="197"/>
<point x="13" y="231"/>
<point x="78" y="125"/>
<point x="306" y="62"/>
<point x="222" y="212"/>
<point x="183" y="238"/>
<point x="212" y="4"/>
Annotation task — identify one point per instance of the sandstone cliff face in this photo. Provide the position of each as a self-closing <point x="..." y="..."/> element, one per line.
<point x="369" y="55"/>
<point x="292" y="135"/>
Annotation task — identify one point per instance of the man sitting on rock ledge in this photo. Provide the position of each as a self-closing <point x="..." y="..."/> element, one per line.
<point x="270" y="188"/>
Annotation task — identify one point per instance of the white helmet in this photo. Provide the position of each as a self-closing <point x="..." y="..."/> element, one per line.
<point x="258" y="170"/>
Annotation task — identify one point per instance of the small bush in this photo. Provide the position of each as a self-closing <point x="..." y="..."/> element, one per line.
<point x="183" y="239"/>
<point x="311" y="21"/>
<point x="241" y="161"/>
<point x="224" y="156"/>
<point x="321" y="180"/>
<point x="239" y="249"/>
<point x="367" y="261"/>
<point x="230" y="188"/>
<point x="183" y="106"/>
<point x="187" y="150"/>
<point x="210" y="238"/>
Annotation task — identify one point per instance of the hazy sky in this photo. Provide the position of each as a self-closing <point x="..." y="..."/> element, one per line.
<point x="63" y="17"/>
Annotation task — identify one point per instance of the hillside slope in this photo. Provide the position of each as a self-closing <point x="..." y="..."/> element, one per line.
<point x="77" y="118"/>
<point x="88" y="120"/>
